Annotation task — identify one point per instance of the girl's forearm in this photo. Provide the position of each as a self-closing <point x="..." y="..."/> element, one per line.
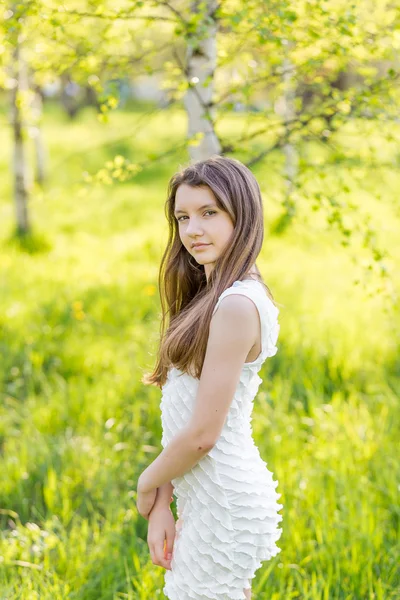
<point x="183" y="452"/>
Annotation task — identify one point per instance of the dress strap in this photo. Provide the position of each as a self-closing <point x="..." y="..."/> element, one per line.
<point x="267" y="311"/>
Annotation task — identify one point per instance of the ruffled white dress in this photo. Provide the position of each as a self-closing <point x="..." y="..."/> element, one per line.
<point x="227" y="503"/>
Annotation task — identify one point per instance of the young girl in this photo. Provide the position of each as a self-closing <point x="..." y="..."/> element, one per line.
<point x="223" y="324"/>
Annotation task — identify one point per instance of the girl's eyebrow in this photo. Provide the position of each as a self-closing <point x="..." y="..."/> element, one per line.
<point x="201" y="208"/>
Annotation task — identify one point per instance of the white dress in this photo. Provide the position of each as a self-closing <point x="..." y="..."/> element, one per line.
<point x="227" y="503"/>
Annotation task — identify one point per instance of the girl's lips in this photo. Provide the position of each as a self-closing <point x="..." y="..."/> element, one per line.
<point x="200" y="247"/>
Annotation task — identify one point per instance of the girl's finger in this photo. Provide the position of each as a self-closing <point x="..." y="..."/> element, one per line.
<point x="161" y="558"/>
<point x="169" y="546"/>
<point x="157" y="560"/>
<point x="152" y="555"/>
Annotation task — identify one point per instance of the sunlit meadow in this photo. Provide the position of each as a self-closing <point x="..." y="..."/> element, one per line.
<point x="79" y="323"/>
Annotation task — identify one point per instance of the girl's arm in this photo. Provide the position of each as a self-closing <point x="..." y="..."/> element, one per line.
<point x="182" y="453"/>
<point x="233" y="331"/>
<point x="164" y="495"/>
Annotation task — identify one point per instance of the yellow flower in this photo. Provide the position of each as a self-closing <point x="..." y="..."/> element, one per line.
<point x="150" y="290"/>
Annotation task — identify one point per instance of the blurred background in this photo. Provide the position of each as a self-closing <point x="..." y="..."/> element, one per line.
<point x="100" y="103"/>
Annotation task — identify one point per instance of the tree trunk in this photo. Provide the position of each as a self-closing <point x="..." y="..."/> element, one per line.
<point x="291" y="157"/>
<point x="69" y="95"/>
<point x="36" y="133"/>
<point x="201" y="64"/>
<point x="91" y="97"/>
<point x="20" y="166"/>
<point x="286" y="110"/>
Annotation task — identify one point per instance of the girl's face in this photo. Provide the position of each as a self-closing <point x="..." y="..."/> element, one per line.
<point x="200" y="220"/>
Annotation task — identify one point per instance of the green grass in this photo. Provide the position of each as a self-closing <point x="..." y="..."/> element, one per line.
<point x="79" y="320"/>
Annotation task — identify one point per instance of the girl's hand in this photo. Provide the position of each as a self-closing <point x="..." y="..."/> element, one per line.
<point x="145" y="501"/>
<point x="161" y="536"/>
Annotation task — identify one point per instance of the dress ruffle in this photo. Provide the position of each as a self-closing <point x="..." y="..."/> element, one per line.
<point x="227" y="504"/>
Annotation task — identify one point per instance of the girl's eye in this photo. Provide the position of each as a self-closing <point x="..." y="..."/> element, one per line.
<point x="207" y="211"/>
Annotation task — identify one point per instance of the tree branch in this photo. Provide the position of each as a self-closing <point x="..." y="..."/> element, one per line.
<point x="115" y="16"/>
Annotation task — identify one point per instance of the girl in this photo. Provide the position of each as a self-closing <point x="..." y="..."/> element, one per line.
<point x="223" y="325"/>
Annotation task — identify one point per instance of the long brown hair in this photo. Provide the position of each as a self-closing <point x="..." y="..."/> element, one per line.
<point x="185" y="294"/>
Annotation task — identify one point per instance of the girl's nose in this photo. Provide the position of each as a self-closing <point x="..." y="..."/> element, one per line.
<point x="194" y="227"/>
